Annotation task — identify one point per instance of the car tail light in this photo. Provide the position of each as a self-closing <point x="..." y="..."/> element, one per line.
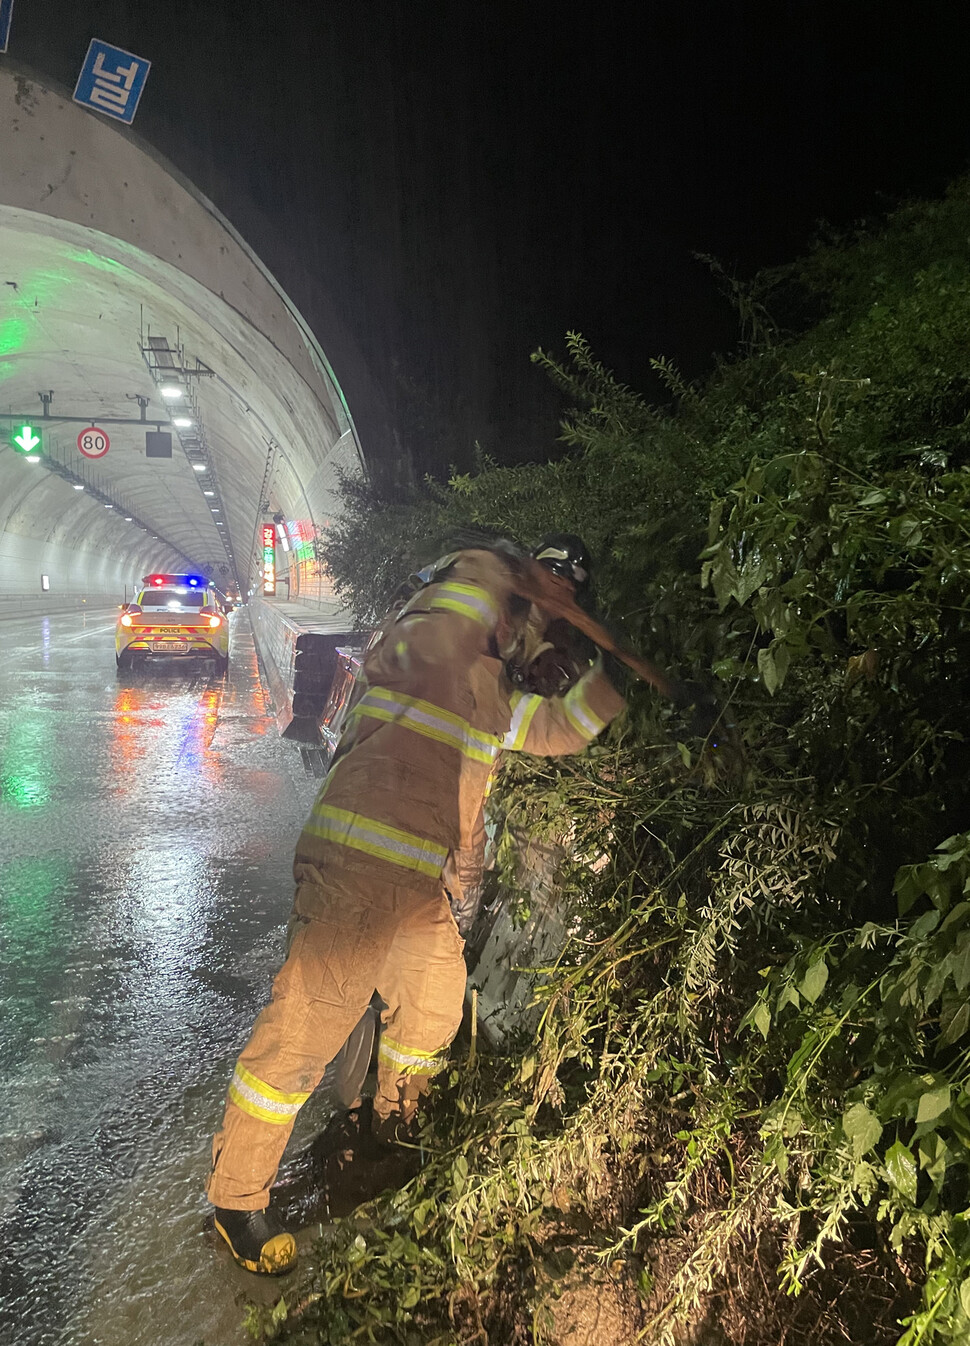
<point x="215" y="621"/>
<point x="125" y="619"/>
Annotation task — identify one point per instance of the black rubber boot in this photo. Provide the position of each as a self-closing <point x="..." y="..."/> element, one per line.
<point x="257" y="1240"/>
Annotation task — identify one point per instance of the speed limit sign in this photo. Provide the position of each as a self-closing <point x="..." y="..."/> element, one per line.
<point x="93" y="442"/>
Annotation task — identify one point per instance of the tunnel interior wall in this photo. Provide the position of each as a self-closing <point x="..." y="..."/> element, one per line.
<point x="72" y="573"/>
<point x="86" y="553"/>
<point x="303" y="578"/>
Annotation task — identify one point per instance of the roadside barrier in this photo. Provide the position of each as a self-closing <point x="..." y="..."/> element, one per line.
<point x="308" y="659"/>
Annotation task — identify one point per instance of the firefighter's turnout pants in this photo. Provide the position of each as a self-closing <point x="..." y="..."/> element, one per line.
<point x="363" y="933"/>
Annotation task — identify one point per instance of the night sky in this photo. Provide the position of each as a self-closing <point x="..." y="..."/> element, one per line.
<point x="442" y="187"/>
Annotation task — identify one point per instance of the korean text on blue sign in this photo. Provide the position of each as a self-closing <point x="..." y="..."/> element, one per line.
<point x="111" y="81"/>
<point x="6" y="14"/>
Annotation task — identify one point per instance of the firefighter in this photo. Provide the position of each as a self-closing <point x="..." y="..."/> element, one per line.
<point x="550" y="658"/>
<point x="405" y="792"/>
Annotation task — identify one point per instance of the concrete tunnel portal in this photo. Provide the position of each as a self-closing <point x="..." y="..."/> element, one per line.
<point x="118" y="280"/>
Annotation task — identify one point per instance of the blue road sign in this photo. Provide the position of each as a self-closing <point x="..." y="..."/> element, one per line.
<point x="6" y="12"/>
<point x="111" y="80"/>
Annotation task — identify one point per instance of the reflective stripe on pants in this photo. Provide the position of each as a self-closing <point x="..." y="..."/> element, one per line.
<point x="365" y="935"/>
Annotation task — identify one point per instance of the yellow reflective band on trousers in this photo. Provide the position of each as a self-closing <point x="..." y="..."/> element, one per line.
<point x="378" y="839"/>
<point x="580" y="714"/>
<point x="524" y="706"/>
<point x="429" y="720"/>
<point x="262" y="1100"/>
<point x="468" y="600"/>
<point x="409" y="1060"/>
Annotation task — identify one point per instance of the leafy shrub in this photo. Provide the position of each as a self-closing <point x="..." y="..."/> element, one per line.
<point x="749" y="1092"/>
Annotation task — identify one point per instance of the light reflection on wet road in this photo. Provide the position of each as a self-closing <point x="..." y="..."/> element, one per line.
<point x="147" y="825"/>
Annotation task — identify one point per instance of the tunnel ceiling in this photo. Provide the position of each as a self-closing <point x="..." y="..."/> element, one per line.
<point x="113" y="283"/>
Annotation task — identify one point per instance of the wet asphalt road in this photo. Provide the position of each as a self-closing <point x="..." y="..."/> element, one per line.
<point x="147" y="823"/>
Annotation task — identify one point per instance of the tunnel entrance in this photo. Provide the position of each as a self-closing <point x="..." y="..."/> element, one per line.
<point x="163" y="408"/>
<point x="130" y="307"/>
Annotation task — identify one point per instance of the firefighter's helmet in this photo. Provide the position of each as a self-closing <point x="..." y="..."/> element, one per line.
<point x="565" y="555"/>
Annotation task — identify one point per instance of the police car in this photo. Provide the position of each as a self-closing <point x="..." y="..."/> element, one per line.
<point x="176" y="616"/>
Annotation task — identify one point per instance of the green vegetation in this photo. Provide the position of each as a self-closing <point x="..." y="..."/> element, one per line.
<point x="745" y="1116"/>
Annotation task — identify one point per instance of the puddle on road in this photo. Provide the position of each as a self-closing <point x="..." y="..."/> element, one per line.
<point x="144" y="888"/>
<point x="155" y="1274"/>
<point x="109" y="1112"/>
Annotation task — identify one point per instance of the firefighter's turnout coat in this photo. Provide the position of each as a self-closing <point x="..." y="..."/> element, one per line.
<point x="433" y="710"/>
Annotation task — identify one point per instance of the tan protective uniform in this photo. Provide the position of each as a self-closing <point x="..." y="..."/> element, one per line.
<point x="404" y="793"/>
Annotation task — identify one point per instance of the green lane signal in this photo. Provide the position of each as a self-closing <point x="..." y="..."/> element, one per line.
<point x="27" y="439"/>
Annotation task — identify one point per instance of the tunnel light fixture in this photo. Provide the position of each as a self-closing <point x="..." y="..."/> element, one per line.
<point x="171" y="392"/>
<point x="109" y="506"/>
<point x="78" y="486"/>
<point x="208" y="492"/>
<point x="32" y="458"/>
<point x="127" y="518"/>
<point x="220" y="524"/>
<point x="182" y="422"/>
<point x="198" y="467"/>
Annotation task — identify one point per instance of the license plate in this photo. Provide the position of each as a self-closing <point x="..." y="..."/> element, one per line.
<point x="170" y="647"/>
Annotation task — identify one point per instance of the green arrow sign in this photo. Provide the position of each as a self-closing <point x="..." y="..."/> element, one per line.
<point x="26" y="441"/>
